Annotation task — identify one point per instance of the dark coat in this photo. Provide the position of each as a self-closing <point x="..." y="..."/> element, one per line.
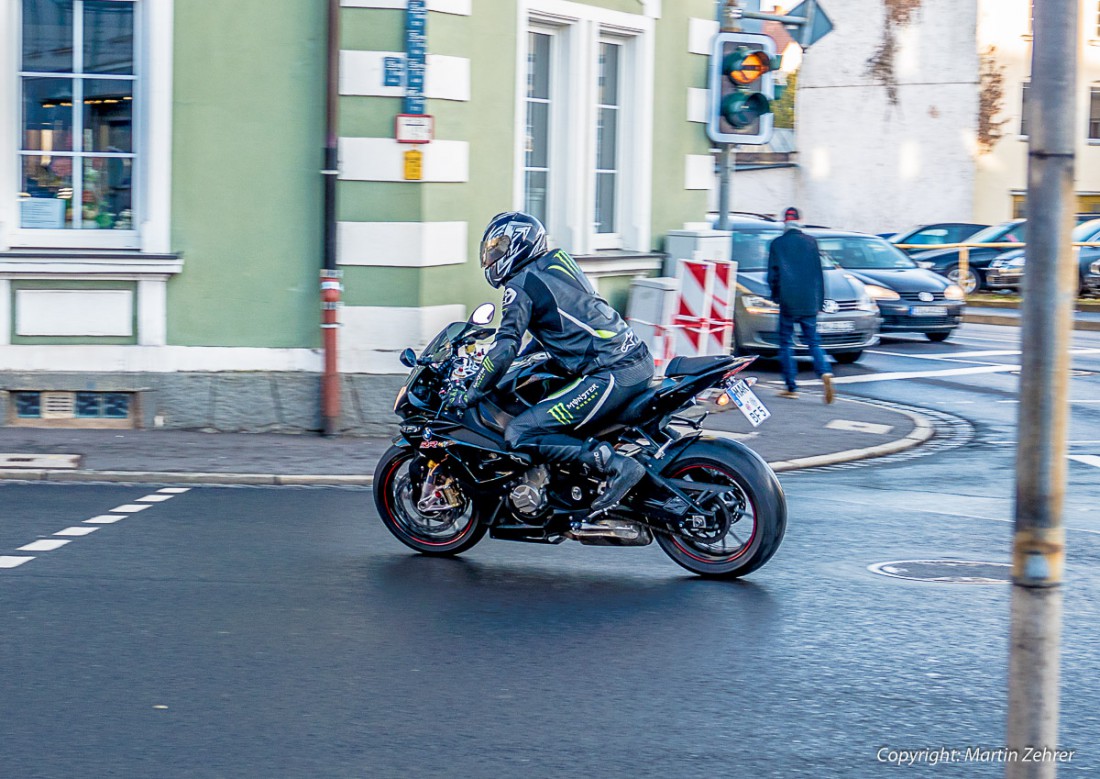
<point x="795" y="277"/>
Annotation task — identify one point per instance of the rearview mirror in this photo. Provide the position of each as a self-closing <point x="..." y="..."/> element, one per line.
<point x="408" y="358"/>
<point x="483" y="314"/>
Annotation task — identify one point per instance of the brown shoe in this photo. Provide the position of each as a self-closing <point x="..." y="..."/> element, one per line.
<point x="830" y="390"/>
<point x="788" y="394"/>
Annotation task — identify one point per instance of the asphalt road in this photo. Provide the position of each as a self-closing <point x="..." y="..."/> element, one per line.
<point x="252" y="632"/>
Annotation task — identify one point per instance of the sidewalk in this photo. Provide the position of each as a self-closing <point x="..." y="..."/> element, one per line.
<point x="801" y="433"/>
<point x="1085" y="316"/>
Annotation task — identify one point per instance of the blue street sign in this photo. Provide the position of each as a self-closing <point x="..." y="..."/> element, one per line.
<point x="815" y="26"/>
<point x="393" y="72"/>
<point x="416" y="51"/>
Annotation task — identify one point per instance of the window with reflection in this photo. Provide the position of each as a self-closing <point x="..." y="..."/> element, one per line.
<point x="607" y="138"/>
<point x="537" y="160"/>
<point x="77" y="85"/>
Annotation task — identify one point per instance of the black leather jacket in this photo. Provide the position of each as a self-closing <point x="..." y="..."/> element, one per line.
<point x="552" y="298"/>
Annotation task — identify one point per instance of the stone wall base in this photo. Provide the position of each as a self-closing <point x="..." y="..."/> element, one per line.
<point x="230" y="402"/>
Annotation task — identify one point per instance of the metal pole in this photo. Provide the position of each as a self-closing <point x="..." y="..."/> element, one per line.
<point x="330" y="276"/>
<point x="1039" y="542"/>
<point x="727" y="22"/>
<point x="725" y="173"/>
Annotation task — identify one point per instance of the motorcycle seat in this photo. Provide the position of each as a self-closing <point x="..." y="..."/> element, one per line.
<point x="693" y="366"/>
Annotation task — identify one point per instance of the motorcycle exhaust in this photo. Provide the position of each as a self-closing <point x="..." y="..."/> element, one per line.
<point x="610" y="532"/>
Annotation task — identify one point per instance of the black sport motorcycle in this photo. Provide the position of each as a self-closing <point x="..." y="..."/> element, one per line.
<point x="713" y="505"/>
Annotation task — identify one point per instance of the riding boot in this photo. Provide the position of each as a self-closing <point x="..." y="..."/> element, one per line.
<point x="621" y="473"/>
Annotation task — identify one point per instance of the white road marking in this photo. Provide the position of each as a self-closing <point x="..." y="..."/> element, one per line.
<point x="129" y="508"/>
<point x="897" y="375"/>
<point x="154" y="498"/>
<point x="858" y="427"/>
<point x="174" y="490"/>
<point x="104" y="519"/>
<point x="45" y="545"/>
<point x="1087" y="459"/>
<point x="7" y="561"/>
<point x="21" y="460"/>
<point x="76" y="531"/>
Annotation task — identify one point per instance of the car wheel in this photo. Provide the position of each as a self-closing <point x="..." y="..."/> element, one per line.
<point x="971" y="284"/>
<point x="937" y="337"/>
<point x="847" y="358"/>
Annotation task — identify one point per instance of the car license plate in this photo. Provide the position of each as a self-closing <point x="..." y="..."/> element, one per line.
<point x="835" y="327"/>
<point x="927" y="310"/>
<point x="745" y="400"/>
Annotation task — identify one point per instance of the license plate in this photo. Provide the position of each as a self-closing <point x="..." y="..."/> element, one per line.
<point x="927" y="310"/>
<point x="745" y="400"/>
<point x="835" y="327"/>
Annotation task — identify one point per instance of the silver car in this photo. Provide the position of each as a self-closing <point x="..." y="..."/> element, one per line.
<point x="848" y="325"/>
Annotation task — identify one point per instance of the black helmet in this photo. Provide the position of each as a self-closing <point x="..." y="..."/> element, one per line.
<point x="511" y="240"/>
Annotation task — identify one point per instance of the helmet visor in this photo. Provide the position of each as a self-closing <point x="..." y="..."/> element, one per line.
<point x="494" y="249"/>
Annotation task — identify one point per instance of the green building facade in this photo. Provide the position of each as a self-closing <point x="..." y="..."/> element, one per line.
<point x="161" y="220"/>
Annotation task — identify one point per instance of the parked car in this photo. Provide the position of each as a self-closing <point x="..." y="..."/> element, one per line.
<point x="1007" y="270"/>
<point x="941" y="232"/>
<point x="946" y="261"/>
<point x="848" y="325"/>
<point x="909" y="298"/>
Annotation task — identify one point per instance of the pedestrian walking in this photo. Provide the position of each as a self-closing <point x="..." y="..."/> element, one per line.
<point x="798" y="285"/>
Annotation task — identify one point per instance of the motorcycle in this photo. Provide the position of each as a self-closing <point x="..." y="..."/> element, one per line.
<point x="712" y="504"/>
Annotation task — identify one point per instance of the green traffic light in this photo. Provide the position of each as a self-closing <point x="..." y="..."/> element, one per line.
<point x="742" y="109"/>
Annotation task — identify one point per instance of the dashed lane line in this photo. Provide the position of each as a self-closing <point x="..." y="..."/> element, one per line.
<point x="69" y="534"/>
<point x="45" y="545"/>
<point x="1086" y="459"/>
<point x="76" y="531"/>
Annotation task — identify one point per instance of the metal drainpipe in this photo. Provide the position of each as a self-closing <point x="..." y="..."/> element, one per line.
<point x="330" y="276"/>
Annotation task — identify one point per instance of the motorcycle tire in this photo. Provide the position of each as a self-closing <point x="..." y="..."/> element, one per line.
<point x="758" y="497"/>
<point x="439" y="534"/>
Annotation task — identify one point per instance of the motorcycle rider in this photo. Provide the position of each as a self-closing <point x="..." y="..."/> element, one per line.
<point x="546" y="293"/>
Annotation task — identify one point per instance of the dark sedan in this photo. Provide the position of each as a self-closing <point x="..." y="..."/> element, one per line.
<point x="941" y="232"/>
<point x="946" y="261"/>
<point x="1007" y="270"/>
<point x="909" y="298"/>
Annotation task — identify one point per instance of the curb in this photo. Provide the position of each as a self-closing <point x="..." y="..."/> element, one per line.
<point x="1014" y="321"/>
<point x="922" y="431"/>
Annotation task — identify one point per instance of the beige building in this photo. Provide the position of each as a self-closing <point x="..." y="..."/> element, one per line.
<point x="912" y="112"/>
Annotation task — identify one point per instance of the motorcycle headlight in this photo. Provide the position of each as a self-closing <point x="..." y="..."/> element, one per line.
<point x="954" y="292"/>
<point x="755" y="304"/>
<point x="880" y="293"/>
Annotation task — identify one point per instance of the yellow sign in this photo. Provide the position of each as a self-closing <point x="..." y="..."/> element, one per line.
<point x="753" y="66"/>
<point x="414" y="165"/>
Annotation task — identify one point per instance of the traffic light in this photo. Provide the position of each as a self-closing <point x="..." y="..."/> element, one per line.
<point x="742" y="87"/>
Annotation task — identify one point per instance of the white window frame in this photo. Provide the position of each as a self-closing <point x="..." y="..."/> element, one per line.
<point x="578" y="31"/>
<point x="552" y="109"/>
<point x="152" y="130"/>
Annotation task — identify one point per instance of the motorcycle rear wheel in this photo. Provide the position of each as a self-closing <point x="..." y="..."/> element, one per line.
<point x="757" y="511"/>
<point x="439" y="534"/>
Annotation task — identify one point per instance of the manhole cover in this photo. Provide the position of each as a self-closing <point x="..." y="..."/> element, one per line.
<point x="952" y="571"/>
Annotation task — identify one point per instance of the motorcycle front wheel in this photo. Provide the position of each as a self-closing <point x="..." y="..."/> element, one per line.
<point x="753" y="511"/>
<point x="438" y="533"/>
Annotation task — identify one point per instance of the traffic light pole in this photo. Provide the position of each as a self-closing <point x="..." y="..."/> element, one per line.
<point x="727" y="22"/>
<point x="1049" y="289"/>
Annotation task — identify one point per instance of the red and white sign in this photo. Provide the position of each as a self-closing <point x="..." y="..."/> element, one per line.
<point x="414" y="128"/>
